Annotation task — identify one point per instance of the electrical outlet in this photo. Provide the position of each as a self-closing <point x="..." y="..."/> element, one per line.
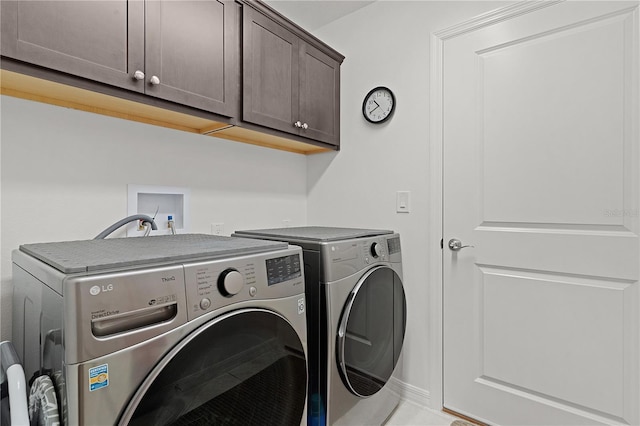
<point x="217" y="228"/>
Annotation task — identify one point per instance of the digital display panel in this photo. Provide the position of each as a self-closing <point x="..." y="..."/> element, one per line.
<point x="393" y="245"/>
<point x="282" y="269"/>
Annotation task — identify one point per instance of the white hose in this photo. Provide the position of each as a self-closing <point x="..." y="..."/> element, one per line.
<point x="17" y="395"/>
<point x="14" y="374"/>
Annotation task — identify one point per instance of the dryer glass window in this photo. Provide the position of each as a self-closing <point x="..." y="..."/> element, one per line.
<point x="245" y="368"/>
<point x="372" y="331"/>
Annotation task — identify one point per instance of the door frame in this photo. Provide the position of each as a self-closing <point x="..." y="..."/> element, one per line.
<point x="436" y="194"/>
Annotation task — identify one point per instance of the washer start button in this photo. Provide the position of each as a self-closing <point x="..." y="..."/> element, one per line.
<point x="205" y="304"/>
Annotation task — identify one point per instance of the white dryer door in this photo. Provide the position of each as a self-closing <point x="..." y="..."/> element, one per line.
<point x="371" y="331"/>
<point x="244" y="368"/>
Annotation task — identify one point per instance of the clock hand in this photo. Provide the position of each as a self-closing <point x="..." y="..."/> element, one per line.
<point x="374" y="108"/>
<point x="375" y="102"/>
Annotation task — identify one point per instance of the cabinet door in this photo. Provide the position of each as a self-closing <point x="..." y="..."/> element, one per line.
<point x="319" y="95"/>
<point x="270" y="67"/>
<point x="98" y="40"/>
<point x="192" y="49"/>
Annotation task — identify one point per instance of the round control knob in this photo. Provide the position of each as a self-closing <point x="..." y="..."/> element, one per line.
<point x="376" y="250"/>
<point x="205" y="304"/>
<point x="230" y="282"/>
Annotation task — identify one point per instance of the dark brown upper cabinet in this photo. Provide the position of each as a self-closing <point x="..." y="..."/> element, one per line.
<point x="192" y="48"/>
<point x="291" y="81"/>
<point x="231" y="69"/>
<point x="182" y="51"/>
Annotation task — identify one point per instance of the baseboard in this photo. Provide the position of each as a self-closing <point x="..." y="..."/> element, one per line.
<point x="410" y="393"/>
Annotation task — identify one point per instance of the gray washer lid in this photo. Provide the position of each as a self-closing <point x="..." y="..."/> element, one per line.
<point x="313" y="233"/>
<point x="111" y="253"/>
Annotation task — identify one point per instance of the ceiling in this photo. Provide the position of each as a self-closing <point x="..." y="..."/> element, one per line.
<point x="313" y="14"/>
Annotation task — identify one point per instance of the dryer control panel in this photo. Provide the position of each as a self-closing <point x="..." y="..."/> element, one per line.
<point x="347" y="257"/>
<point x="211" y="285"/>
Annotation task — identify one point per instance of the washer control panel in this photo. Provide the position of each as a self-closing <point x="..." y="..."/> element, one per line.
<point x="213" y="284"/>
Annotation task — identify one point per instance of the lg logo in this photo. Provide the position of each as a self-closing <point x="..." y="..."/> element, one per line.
<point x="96" y="289"/>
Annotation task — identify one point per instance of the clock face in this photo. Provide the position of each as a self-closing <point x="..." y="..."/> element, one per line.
<point x="378" y="105"/>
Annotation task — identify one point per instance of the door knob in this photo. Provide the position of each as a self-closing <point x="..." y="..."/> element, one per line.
<point x="455" y="244"/>
<point x="297" y="124"/>
<point x="138" y="75"/>
<point x="154" y="80"/>
<point x="305" y="126"/>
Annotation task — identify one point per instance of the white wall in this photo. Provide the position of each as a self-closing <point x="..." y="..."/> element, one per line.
<point x="65" y="175"/>
<point x="388" y="43"/>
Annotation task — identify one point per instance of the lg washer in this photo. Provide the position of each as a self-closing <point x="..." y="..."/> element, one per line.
<point x="178" y="329"/>
<point x="356" y="316"/>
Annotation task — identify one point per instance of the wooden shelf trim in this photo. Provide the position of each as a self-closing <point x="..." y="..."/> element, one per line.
<point x="39" y="90"/>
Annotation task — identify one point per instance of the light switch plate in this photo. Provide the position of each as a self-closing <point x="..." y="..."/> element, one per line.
<point x="402" y="201"/>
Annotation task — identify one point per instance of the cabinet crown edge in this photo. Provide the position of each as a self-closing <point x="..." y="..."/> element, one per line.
<point x="303" y="34"/>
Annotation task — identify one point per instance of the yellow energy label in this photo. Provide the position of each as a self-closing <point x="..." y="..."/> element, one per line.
<point x="98" y="377"/>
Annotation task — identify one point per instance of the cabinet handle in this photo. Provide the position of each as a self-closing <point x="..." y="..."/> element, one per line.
<point x="305" y="126"/>
<point x="154" y="80"/>
<point x="138" y="75"/>
<point x="297" y="124"/>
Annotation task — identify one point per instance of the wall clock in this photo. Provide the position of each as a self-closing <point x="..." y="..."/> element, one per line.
<point x="378" y="105"/>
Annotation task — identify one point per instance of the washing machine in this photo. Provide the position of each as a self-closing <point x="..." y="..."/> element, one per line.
<point x="176" y="329"/>
<point x="356" y="316"/>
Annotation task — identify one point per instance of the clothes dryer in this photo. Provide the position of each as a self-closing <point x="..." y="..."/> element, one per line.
<point x="177" y="329"/>
<point x="356" y="316"/>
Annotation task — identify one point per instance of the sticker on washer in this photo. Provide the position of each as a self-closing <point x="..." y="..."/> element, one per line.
<point x="301" y="306"/>
<point x="98" y="377"/>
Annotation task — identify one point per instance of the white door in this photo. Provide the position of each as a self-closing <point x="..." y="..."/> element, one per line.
<point x="542" y="178"/>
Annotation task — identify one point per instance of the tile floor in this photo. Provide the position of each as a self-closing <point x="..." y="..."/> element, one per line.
<point x="409" y="414"/>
